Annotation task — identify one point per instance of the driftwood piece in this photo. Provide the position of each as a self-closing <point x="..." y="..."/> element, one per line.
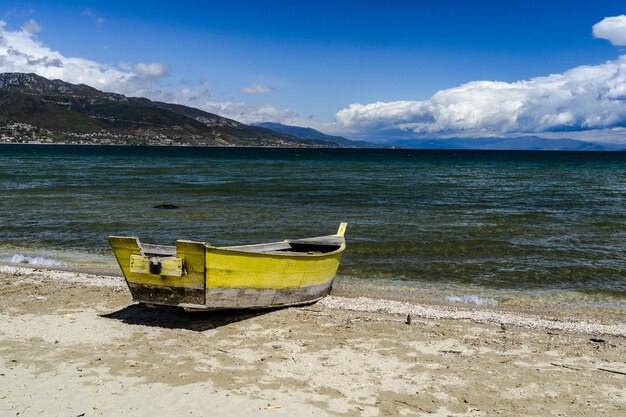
<point x="562" y="365"/>
<point x="612" y="371"/>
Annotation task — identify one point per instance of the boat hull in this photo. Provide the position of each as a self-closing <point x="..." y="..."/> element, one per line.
<point x="198" y="276"/>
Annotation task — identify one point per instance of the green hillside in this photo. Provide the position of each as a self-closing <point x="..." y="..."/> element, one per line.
<point x="70" y="111"/>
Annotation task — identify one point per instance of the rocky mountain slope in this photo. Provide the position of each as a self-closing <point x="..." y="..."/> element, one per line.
<point x="62" y="112"/>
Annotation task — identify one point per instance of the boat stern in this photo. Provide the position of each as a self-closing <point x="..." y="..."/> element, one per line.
<point x="162" y="275"/>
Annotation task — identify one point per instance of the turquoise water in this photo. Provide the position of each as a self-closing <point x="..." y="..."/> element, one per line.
<point x="492" y="222"/>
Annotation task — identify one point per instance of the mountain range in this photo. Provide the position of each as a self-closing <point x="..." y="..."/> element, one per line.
<point x="68" y="112"/>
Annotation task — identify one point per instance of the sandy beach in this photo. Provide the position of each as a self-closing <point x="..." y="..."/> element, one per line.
<point x="74" y="344"/>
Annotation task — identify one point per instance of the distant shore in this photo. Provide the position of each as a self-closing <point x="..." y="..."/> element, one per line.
<point x="317" y="147"/>
<point x="79" y="338"/>
<point x="173" y="145"/>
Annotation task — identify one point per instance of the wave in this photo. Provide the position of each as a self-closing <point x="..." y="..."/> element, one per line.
<point x="34" y="260"/>
<point x="471" y="299"/>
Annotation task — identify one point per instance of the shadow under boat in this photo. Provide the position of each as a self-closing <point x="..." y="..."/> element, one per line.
<point x="169" y="317"/>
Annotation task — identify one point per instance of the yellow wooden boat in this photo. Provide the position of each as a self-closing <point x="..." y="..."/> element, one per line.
<point x="199" y="276"/>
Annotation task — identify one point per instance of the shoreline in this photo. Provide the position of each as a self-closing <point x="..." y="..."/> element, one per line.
<point x="576" y="321"/>
<point x="552" y="303"/>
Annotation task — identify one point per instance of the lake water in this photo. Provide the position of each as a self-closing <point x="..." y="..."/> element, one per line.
<point x="476" y="225"/>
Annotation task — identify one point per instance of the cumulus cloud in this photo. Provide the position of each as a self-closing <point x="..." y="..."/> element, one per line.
<point x="21" y="51"/>
<point x="613" y="29"/>
<point x="248" y="113"/>
<point x="256" y="89"/>
<point x="582" y="98"/>
<point x="189" y="93"/>
<point x="153" y="70"/>
<point x="31" y="26"/>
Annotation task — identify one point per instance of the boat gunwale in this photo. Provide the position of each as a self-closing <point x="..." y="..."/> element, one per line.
<point x="169" y="250"/>
<point x="235" y="249"/>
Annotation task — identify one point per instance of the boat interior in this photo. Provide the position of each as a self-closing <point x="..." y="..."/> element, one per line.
<point x="309" y="246"/>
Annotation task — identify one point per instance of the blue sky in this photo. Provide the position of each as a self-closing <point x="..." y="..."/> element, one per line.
<point x="306" y="63"/>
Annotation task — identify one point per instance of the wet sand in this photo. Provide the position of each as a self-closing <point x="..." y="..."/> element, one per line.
<point x="74" y="344"/>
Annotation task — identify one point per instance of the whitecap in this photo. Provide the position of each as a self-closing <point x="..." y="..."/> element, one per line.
<point x="34" y="260"/>
<point x="471" y="299"/>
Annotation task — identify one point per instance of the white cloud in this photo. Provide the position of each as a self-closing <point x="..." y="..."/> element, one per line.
<point x="31" y="26"/>
<point x="194" y="94"/>
<point x="613" y="29"/>
<point x="21" y="51"/>
<point x="248" y="113"/>
<point x="256" y="89"/>
<point x="153" y="70"/>
<point x="582" y="98"/>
